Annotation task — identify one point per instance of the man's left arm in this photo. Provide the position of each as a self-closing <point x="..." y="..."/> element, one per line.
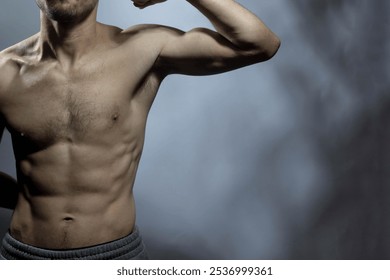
<point x="241" y="39"/>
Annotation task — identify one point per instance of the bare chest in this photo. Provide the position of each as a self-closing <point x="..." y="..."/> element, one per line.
<point x="47" y="106"/>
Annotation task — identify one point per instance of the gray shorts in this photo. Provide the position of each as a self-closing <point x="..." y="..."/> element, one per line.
<point x="130" y="247"/>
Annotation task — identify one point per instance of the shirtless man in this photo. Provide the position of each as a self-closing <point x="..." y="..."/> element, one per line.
<point x="75" y="98"/>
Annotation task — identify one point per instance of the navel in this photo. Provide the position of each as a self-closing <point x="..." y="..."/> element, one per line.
<point x="68" y="219"/>
<point x="115" y="117"/>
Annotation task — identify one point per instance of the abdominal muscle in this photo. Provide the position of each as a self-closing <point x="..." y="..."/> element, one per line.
<point x="75" y="196"/>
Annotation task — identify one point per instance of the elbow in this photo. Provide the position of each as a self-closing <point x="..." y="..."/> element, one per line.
<point x="268" y="48"/>
<point x="274" y="47"/>
<point x="265" y="48"/>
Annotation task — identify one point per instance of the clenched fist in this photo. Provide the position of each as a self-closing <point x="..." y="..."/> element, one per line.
<point x="145" y="3"/>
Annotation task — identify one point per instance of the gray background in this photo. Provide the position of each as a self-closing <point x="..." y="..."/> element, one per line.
<point x="283" y="160"/>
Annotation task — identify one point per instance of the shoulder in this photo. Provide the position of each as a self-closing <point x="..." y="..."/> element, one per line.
<point x="8" y="61"/>
<point x="9" y="67"/>
<point x="22" y="50"/>
<point x="144" y="40"/>
<point x="12" y="59"/>
<point x="8" y="72"/>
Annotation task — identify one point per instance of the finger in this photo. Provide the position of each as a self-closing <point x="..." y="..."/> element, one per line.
<point x="141" y="4"/>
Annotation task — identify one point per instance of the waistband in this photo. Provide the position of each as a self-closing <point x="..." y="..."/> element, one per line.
<point x="130" y="247"/>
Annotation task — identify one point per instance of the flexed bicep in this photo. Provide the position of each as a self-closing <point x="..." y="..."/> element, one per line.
<point x="203" y="52"/>
<point x="240" y="39"/>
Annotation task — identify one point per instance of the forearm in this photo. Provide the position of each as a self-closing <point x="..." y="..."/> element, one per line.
<point x="241" y="27"/>
<point x="8" y="191"/>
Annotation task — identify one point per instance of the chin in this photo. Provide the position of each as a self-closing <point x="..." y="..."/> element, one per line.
<point x="67" y="10"/>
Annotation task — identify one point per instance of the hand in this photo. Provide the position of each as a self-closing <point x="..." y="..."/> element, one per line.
<point x="146" y="3"/>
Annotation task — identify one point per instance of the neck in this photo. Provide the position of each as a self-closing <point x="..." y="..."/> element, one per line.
<point x="67" y="41"/>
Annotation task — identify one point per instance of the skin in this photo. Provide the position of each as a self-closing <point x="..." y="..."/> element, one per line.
<point x="75" y="98"/>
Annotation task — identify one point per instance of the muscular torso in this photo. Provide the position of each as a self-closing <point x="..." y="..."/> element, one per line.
<point x="78" y="133"/>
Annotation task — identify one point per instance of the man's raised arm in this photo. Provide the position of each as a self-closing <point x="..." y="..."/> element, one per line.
<point x="241" y="39"/>
<point x="238" y="25"/>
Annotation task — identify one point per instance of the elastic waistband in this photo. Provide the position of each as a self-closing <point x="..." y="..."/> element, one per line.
<point x="126" y="248"/>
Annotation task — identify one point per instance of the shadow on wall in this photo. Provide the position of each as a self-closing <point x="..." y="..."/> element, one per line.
<point x="350" y="119"/>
